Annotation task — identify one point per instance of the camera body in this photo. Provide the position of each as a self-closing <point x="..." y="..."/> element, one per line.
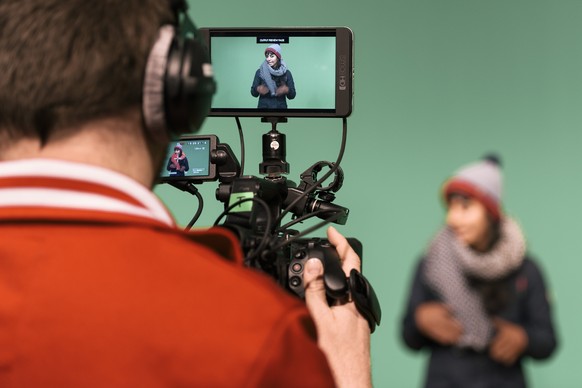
<point x="254" y="208"/>
<point x="251" y="204"/>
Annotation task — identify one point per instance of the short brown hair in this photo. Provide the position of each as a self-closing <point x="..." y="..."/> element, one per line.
<point x="64" y="62"/>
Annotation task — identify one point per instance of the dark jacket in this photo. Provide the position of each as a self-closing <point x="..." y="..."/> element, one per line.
<point x="184" y="166"/>
<point x="451" y="367"/>
<point x="274" y="102"/>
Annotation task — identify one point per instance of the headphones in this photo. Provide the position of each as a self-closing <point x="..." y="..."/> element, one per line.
<point x="178" y="82"/>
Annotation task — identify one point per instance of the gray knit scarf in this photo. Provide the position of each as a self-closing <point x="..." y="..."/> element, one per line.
<point x="266" y="71"/>
<point x="448" y="261"/>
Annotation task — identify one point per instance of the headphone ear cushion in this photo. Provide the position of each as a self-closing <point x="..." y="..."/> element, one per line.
<point x="189" y="86"/>
<point x="153" y="105"/>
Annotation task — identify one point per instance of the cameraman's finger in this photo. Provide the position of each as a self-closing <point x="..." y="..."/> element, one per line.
<point x="348" y="256"/>
<point x="314" y="288"/>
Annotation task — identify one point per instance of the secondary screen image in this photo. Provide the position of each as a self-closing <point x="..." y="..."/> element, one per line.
<point x="187" y="158"/>
<point x="274" y="72"/>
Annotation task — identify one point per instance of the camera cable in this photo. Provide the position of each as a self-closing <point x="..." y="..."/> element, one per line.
<point x="242" y="145"/>
<point x="190" y="188"/>
<point x="269" y="222"/>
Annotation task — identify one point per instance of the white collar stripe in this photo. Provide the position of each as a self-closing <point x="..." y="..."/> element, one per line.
<point x="52" y="168"/>
<point x="69" y="199"/>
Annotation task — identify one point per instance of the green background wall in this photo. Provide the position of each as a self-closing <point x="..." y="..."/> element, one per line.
<point x="438" y="84"/>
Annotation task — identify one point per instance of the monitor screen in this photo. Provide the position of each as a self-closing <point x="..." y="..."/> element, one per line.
<point x="281" y="72"/>
<point x="189" y="158"/>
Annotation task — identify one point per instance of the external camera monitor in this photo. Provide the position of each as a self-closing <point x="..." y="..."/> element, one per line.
<point x="189" y="159"/>
<point x="281" y="72"/>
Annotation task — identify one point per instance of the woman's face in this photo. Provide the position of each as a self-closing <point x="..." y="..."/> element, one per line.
<point x="178" y="151"/>
<point x="469" y="221"/>
<point x="272" y="59"/>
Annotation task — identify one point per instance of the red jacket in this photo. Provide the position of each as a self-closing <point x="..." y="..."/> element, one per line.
<point x="98" y="288"/>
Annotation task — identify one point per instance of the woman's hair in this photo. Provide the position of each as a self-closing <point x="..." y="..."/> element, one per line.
<point x="179" y="149"/>
<point x="495" y="294"/>
<point x="64" y="63"/>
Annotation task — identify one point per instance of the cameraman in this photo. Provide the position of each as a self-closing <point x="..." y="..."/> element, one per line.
<point x="98" y="287"/>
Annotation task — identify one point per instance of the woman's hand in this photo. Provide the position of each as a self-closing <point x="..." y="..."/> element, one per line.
<point x="282" y="90"/>
<point x="436" y="321"/>
<point x="509" y="343"/>
<point x="262" y="89"/>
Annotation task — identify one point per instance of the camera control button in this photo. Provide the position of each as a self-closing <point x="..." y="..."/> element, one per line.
<point x="297" y="267"/>
<point x="300" y="254"/>
<point x="295" y="281"/>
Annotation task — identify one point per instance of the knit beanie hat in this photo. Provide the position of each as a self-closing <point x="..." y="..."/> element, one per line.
<point x="275" y="49"/>
<point x="482" y="181"/>
<point x="178" y="146"/>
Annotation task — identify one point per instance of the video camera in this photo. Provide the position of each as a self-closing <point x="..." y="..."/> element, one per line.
<point x="254" y="208"/>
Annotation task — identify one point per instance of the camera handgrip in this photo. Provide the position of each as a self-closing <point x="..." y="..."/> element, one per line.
<point x="337" y="286"/>
<point x="334" y="278"/>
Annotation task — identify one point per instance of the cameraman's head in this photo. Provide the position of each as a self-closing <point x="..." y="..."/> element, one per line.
<point x="74" y="69"/>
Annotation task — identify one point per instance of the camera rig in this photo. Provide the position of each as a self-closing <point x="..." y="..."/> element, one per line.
<point x="255" y="207"/>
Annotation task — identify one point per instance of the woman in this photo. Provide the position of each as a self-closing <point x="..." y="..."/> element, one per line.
<point x="273" y="82"/>
<point x="178" y="162"/>
<point x="478" y="301"/>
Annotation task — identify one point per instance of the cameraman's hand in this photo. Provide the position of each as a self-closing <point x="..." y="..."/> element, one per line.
<point x="343" y="334"/>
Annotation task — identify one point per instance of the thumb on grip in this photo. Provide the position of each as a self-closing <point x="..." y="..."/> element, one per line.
<point x="313" y="269"/>
<point x="314" y="286"/>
